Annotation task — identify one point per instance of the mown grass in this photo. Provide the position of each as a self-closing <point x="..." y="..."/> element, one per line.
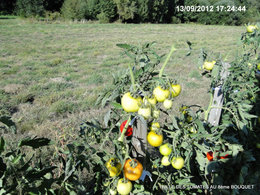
<point x="51" y="74"/>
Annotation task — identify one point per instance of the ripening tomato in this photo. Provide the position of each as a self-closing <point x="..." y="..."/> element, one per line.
<point x="133" y="169"/>
<point x="210" y="156"/>
<point x="156" y="114"/>
<point x="145" y="112"/>
<point x="165" y="149"/>
<point x="114" y="167"/>
<point x="251" y="28"/>
<point x="192" y="130"/>
<point x="209" y="65"/>
<point x="112" y="192"/>
<point x="167" y="104"/>
<point x="258" y="66"/>
<point x="129" y="103"/>
<point x="175" y="90"/>
<point x="189" y="118"/>
<point x="177" y="162"/>
<point x="152" y="100"/>
<point x="129" y="130"/>
<point x="154" y="126"/>
<point x="124" y="187"/>
<point x="154" y="139"/>
<point x="161" y="94"/>
<point x="224" y="157"/>
<point x="258" y="145"/>
<point x="165" y="161"/>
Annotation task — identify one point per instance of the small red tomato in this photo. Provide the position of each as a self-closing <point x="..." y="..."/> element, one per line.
<point x="129" y="130"/>
<point x="224" y="157"/>
<point x="210" y="156"/>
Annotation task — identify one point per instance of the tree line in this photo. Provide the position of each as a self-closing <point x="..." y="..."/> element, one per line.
<point x="135" y="11"/>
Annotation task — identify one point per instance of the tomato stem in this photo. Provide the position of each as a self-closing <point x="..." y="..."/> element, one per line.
<point x="209" y="107"/>
<point x="132" y="77"/>
<point x="166" y="61"/>
<point x="121" y="138"/>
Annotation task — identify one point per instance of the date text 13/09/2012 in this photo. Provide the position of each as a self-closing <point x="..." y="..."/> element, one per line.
<point x="210" y="8"/>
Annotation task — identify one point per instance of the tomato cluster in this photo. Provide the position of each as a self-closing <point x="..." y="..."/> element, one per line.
<point x="210" y="156"/>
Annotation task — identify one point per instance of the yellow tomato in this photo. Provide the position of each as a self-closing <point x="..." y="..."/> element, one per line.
<point x="161" y="94"/>
<point x="156" y="114"/>
<point x="145" y="112"/>
<point x="193" y="130"/>
<point x="258" y="66"/>
<point x="165" y="149"/>
<point x="251" y="28"/>
<point x="177" y="162"/>
<point x="165" y="161"/>
<point x="154" y="139"/>
<point x="154" y="126"/>
<point x="175" y="90"/>
<point x="152" y="100"/>
<point x="129" y="103"/>
<point x="124" y="187"/>
<point x="167" y="104"/>
<point x="114" y="167"/>
<point x="209" y="65"/>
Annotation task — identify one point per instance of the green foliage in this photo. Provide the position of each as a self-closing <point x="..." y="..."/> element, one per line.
<point x="144" y="10"/>
<point x="7" y="7"/>
<point x="107" y="11"/>
<point x="103" y="10"/>
<point x="29" y="8"/>
<point x="160" y="10"/>
<point x="74" y="9"/>
<point x="126" y="9"/>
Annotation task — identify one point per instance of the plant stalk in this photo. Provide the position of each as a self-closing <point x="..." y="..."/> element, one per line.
<point x="121" y="138"/>
<point x="209" y="108"/>
<point x="132" y="77"/>
<point x="166" y="61"/>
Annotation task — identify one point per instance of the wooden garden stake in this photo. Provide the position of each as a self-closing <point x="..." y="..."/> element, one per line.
<point x="139" y="141"/>
<point x="218" y="98"/>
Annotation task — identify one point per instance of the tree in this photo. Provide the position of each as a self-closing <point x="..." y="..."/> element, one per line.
<point x="28" y="8"/>
<point x="126" y="9"/>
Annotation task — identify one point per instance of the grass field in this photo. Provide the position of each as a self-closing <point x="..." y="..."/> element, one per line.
<point x="51" y="74"/>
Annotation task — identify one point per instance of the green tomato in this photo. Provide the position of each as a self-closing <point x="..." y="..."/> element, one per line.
<point x="258" y="66"/>
<point x="152" y="100"/>
<point x="156" y="114"/>
<point x="112" y="192"/>
<point x="258" y="145"/>
<point x="124" y="187"/>
<point x="154" y="126"/>
<point x="145" y="112"/>
<point x="165" y="149"/>
<point x="177" y="162"/>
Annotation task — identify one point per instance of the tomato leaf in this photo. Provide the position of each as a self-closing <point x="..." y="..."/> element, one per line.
<point x="116" y="105"/>
<point x="2" y="145"/>
<point x="34" y="142"/>
<point x="8" y="122"/>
